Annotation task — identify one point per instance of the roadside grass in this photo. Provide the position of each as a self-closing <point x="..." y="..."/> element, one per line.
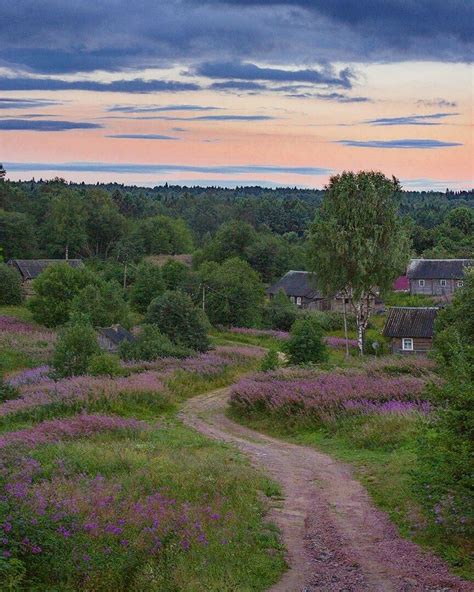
<point x="242" y="551"/>
<point x="222" y="337"/>
<point x="382" y="452"/>
<point x="22" y="313"/>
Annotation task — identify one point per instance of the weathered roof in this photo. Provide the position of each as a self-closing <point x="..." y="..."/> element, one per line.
<point x="448" y="269"/>
<point x="297" y="283"/>
<point x="116" y="334"/>
<point x="406" y="321"/>
<point x="31" y="268"/>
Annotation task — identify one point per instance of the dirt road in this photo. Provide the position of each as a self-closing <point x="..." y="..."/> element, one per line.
<point x="336" y="540"/>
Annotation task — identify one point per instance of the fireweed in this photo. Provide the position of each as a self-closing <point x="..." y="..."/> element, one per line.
<point x="31" y="340"/>
<point x="294" y="392"/>
<point x="38" y="390"/>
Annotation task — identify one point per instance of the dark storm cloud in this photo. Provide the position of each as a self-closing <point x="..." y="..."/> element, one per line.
<point x="408" y="144"/>
<point x="53" y="36"/>
<point x="43" y="125"/>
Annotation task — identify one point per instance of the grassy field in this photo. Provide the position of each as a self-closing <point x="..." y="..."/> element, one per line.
<point x="152" y="506"/>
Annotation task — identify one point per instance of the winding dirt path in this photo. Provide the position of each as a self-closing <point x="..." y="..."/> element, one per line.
<point x="336" y="540"/>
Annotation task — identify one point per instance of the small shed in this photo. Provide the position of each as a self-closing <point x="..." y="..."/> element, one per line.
<point x="110" y="338"/>
<point x="410" y="329"/>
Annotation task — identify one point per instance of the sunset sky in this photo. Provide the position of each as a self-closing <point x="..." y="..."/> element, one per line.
<point x="239" y="92"/>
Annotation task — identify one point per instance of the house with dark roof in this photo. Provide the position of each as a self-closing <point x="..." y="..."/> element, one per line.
<point x="301" y="289"/>
<point x="410" y="329"/>
<point x="29" y="269"/>
<point x="437" y="277"/>
<point x="110" y="338"/>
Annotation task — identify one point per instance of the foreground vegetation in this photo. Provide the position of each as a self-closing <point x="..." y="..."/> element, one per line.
<point x="102" y="487"/>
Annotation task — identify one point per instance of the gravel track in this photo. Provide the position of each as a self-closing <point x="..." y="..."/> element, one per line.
<point x="336" y="539"/>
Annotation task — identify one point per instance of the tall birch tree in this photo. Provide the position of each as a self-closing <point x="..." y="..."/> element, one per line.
<point x="358" y="243"/>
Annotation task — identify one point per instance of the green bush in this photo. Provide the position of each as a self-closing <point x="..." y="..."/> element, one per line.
<point x="176" y="316"/>
<point x="405" y="299"/>
<point x="103" y="304"/>
<point x="7" y="392"/>
<point x="270" y="361"/>
<point x="10" y="286"/>
<point x="334" y="321"/>
<point x="104" y="364"/>
<point x="151" y="344"/>
<point x="55" y="289"/>
<point x="280" y="313"/>
<point x="306" y="342"/>
<point x="75" y="348"/>
<point x="148" y="285"/>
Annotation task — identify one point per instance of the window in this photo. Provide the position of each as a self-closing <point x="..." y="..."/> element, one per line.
<point x="460" y="284"/>
<point x="421" y="283"/>
<point x="292" y="299"/>
<point x="407" y="344"/>
<point x="298" y="301"/>
<point x="443" y="283"/>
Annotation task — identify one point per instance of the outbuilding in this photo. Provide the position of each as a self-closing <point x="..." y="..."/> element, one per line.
<point x="110" y="338"/>
<point x="410" y="329"/>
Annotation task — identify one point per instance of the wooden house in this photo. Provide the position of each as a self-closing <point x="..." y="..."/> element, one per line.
<point x="29" y="269"/>
<point x="301" y="289"/>
<point x="437" y="277"/>
<point x="110" y="338"/>
<point x="410" y="329"/>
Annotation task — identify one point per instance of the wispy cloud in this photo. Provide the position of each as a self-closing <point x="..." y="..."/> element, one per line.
<point x="105" y="167"/>
<point x="250" y="72"/>
<point x="442" y="103"/>
<point x="138" y="85"/>
<point x="43" y="125"/>
<point x="26" y="103"/>
<point x="196" y="118"/>
<point x="430" y="119"/>
<point x="407" y="143"/>
<point x="159" y="108"/>
<point x="142" y="137"/>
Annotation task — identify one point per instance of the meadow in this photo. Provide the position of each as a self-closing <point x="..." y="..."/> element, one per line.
<point x="102" y="488"/>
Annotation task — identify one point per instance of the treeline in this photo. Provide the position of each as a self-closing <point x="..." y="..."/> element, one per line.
<point x="126" y="223"/>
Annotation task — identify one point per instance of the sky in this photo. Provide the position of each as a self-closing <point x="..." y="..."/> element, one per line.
<point x="237" y="92"/>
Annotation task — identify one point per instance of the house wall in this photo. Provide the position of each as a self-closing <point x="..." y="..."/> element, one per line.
<point x="106" y="345"/>
<point x="433" y="287"/>
<point x="420" y="346"/>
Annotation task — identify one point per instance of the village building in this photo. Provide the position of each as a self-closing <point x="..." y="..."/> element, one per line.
<point x="29" y="269"/>
<point x="410" y="329"/>
<point x="437" y="277"/>
<point x="110" y="338"/>
<point x="301" y="289"/>
<point x="401" y="284"/>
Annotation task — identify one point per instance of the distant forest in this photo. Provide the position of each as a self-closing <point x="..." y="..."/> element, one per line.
<point x="266" y="227"/>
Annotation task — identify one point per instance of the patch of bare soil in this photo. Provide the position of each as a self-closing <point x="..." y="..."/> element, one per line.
<point x="336" y="540"/>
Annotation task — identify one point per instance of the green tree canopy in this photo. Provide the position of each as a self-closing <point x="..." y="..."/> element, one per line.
<point x="176" y="316"/>
<point x="358" y="243"/>
<point x="306" y="342"/>
<point x="148" y="285"/>
<point x="10" y="285"/>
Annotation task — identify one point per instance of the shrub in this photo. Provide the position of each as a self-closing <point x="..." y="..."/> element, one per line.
<point x="270" y="361"/>
<point x="76" y="346"/>
<point x="55" y="289"/>
<point x="104" y="365"/>
<point x="280" y="313"/>
<point x="175" y="274"/>
<point x="10" y="286"/>
<point x="334" y="321"/>
<point x="103" y="304"/>
<point x="148" y="285"/>
<point x="176" y="316"/>
<point x="150" y="345"/>
<point x="306" y="342"/>
<point x="404" y="299"/>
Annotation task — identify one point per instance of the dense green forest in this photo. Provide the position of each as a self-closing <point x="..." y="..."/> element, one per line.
<point x="265" y="227"/>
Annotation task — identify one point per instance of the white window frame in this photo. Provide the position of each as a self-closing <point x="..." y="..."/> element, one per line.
<point x="421" y="283"/>
<point x="443" y="283"/>
<point x="292" y="299"/>
<point x="407" y="344"/>
<point x="298" y="301"/>
<point x="460" y="284"/>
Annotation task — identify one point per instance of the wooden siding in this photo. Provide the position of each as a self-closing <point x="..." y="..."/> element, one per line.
<point x="433" y="287"/>
<point x="420" y="345"/>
